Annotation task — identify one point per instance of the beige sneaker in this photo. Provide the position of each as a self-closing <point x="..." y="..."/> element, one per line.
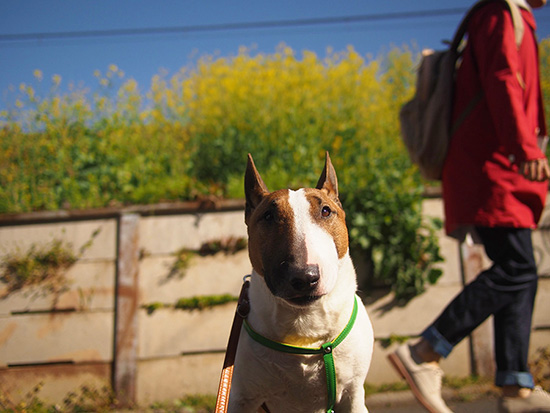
<point x="537" y="402"/>
<point x="424" y="379"/>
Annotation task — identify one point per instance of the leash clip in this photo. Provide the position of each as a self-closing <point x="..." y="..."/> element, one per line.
<point x="243" y="306"/>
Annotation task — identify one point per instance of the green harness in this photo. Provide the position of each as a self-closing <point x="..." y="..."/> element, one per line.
<point x="326" y="350"/>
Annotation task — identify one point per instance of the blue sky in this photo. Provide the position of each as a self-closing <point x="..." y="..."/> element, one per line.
<point x="141" y="56"/>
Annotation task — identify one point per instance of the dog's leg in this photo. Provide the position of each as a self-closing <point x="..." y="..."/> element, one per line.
<point x="239" y="404"/>
<point x="353" y="401"/>
<point x="242" y="398"/>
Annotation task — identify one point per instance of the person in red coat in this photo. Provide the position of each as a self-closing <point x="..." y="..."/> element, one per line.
<point x="495" y="183"/>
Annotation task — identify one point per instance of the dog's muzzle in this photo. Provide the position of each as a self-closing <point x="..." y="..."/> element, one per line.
<point x="297" y="284"/>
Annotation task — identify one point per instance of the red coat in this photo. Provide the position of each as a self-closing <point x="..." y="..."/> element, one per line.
<point x="481" y="183"/>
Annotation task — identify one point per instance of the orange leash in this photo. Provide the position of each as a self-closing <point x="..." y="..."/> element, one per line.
<point x="224" y="388"/>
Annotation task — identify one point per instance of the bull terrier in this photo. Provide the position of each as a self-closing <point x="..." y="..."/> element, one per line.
<point x="307" y="342"/>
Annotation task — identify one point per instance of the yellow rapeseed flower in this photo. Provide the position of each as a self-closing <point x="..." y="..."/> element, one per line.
<point x="37" y="74"/>
<point x="30" y="93"/>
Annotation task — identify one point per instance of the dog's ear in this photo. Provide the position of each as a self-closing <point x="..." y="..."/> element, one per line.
<point x="328" y="180"/>
<point x="254" y="188"/>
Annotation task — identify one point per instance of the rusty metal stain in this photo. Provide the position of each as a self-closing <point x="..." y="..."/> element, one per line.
<point x="14" y="379"/>
<point x="126" y="312"/>
<point x="83" y="298"/>
<point x="52" y="323"/>
<point x="84" y="355"/>
<point x="7" y="332"/>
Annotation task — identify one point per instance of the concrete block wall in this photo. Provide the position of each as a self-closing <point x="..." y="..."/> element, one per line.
<point x="68" y="341"/>
<point x="63" y="339"/>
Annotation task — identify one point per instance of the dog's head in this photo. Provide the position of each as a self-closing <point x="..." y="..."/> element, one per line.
<point x="296" y="238"/>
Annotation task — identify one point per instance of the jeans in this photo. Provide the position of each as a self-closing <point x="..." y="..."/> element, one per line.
<point x="507" y="291"/>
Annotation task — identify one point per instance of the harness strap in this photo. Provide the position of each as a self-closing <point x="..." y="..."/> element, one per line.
<point x="326" y="350"/>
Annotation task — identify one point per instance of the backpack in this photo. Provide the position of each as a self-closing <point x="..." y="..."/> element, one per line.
<point x="426" y="119"/>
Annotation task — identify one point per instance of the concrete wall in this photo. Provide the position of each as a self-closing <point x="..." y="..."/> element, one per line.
<point x="67" y="341"/>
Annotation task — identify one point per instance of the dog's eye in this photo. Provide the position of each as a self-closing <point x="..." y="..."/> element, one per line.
<point x="268" y="216"/>
<point x="326" y="212"/>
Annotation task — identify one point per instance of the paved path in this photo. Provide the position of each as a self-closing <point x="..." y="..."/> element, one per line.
<point x="404" y="402"/>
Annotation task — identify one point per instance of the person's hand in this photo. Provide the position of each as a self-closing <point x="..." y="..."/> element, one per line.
<point x="535" y="170"/>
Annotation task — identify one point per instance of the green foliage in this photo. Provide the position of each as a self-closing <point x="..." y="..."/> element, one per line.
<point x="188" y="136"/>
<point x="386" y="223"/>
<point x="75" y="151"/>
<point x="544" y="53"/>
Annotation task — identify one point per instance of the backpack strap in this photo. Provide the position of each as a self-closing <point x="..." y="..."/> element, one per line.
<point x="517" y="20"/>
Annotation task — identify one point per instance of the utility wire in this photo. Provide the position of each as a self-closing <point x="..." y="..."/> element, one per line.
<point x="230" y="26"/>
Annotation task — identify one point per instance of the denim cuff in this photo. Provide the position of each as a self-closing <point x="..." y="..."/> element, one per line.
<point x="514" y="378"/>
<point x="439" y="343"/>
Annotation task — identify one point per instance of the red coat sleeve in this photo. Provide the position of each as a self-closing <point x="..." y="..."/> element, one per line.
<point x="502" y="68"/>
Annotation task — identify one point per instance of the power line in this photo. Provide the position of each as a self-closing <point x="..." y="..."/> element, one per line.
<point x="230" y="26"/>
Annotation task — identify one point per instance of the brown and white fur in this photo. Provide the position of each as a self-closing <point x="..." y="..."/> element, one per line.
<point x="302" y="293"/>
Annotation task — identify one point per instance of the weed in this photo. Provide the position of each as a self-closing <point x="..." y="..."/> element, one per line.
<point x="184" y="256"/>
<point x="181" y="264"/>
<point x="85" y="399"/>
<point x="202" y="302"/>
<point x="192" y="303"/>
<point x="230" y="245"/>
<point x="151" y="308"/>
<point x="188" y="404"/>
<point x="540" y="367"/>
<point x="89" y="399"/>
<point x="393" y="339"/>
<point x="371" y="389"/>
<point x="30" y="403"/>
<point x="40" y="266"/>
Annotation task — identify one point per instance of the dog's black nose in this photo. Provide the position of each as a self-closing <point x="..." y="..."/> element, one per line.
<point x="305" y="279"/>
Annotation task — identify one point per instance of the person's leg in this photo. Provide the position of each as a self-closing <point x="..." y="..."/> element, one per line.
<point x="512" y="328"/>
<point x="509" y="286"/>
<point x="509" y="279"/>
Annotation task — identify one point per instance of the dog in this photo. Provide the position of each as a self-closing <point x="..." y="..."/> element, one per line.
<point x="302" y="293"/>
